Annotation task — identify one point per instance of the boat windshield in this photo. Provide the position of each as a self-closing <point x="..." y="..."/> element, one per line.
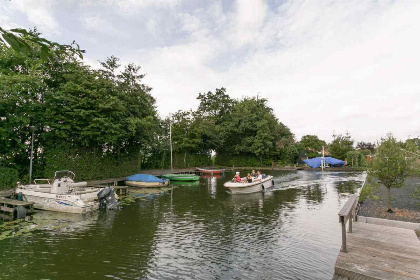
<point x="64" y="173"/>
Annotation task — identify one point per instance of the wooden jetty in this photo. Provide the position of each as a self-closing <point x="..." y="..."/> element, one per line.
<point x="6" y="193"/>
<point x="375" y="251"/>
<point x="8" y="206"/>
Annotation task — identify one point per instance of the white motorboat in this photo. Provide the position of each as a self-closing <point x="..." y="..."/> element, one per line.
<point x="253" y="187"/>
<point x="65" y="195"/>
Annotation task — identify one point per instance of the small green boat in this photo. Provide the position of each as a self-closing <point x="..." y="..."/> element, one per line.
<point x="181" y="177"/>
<point x="185" y="183"/>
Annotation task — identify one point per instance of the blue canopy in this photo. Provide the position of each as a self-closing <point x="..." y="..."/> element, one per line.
<point x="316" y="162"/>
<point x="144" y="178"/>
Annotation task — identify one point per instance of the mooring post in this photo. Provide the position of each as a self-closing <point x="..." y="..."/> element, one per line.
<point x="351" y="222"/>
<point x="343" y="235"/>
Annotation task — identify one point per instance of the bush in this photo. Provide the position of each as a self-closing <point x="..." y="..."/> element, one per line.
<point x="89" y="166"/>
<point x="8" y="177"/>
<point x="241" y="160"/>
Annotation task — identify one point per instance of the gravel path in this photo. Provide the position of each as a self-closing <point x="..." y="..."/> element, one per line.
<point x="405" y="206"/>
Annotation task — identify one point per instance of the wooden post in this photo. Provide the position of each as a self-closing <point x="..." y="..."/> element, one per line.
<point x="351" y="222"/>
<point x="343" y="235"/>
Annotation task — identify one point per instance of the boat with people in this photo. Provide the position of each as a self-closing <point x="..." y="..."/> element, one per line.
<point x="65" y="195"/>
<point x="210" y="171"/>
<point x="145" y="180"/>
<point x="249" y="185"/>
<point x="181" y="177"/>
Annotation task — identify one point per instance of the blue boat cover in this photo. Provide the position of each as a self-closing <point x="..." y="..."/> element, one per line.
<point x="144" y="178"/>
<point x="316" y="162"/>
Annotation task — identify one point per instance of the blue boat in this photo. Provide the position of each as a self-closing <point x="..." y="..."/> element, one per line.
<point x="145" y="180"/>
<point x="316" y="162"/>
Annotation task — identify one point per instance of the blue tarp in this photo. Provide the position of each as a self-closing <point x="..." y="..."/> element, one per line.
<point x="316" y="162"/>
<point x="144" y="178"/>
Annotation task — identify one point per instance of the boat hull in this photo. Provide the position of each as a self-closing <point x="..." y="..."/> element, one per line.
<point x="245" y="188"/>
<point x="60" y="202"/>
<point x="146" y="184"/>
<point x="181" y="177"/>
<point x="210" y="171"/>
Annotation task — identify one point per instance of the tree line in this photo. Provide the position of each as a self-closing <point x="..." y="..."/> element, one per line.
<point x="104" y="123"/>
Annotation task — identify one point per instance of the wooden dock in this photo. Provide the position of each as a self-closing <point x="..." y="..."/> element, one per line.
<point x="379" y="252"/>
<point x="376" y="248"/>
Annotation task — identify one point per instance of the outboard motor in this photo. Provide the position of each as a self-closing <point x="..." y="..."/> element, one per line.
<point x="107" y="199"/>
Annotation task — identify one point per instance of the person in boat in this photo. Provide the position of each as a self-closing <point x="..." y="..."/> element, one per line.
<point x="237" y="177"/>
<point x="253" y="174"/>
<point x="259" y="176"/>
<point x="249" y="178"/>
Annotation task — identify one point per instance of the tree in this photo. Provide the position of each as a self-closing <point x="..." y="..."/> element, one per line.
<point x="25" y="42"/>
<point x="311" y="144"/>
<point x="340" y="145"/>
<point x="366" y="146"/>
<point x="391" y="165"/>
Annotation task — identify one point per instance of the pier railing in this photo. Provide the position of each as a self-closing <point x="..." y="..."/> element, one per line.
<point x="348" y="214"/>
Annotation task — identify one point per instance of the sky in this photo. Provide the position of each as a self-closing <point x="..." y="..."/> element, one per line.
<point x="325" y="66"/>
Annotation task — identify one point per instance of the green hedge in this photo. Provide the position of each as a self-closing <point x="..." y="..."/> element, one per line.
<point x="88" y="166"/>
<point x="8" y="177"/>
<point x="241" y="160"/>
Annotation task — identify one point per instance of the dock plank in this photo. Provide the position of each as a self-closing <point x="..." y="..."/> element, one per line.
<point x="380" y="252"/>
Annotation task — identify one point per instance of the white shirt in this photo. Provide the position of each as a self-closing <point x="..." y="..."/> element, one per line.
<point x="259" y="177"/>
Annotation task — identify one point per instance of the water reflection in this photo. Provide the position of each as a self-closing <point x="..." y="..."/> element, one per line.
<point x="197" y="232"/>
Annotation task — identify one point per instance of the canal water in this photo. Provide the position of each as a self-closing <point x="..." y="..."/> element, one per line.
<point x="196" y="231"/>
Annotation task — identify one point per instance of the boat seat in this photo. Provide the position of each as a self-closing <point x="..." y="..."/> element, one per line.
<point x="43" y="186"/>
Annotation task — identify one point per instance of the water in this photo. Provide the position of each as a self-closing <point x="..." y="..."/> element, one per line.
<point x="194" y="232"/>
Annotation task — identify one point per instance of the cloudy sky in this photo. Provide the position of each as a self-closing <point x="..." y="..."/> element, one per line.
<point x="325" y="66"/>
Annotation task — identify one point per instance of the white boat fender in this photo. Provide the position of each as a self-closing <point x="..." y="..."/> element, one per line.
<point x="19" y="213"/>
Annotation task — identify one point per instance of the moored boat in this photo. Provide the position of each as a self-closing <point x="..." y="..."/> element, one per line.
<point x="181" y="177"/>
<point x="145" y="180"/>
<point x="65" y="195"/>
<point x="210" y="171"/>
<point x="255" y="186"/>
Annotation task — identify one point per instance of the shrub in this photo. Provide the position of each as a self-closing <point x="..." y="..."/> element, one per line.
<point x="8" y="177"/>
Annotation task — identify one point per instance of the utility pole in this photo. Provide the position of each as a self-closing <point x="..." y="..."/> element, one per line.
<point x="31" y="128"/>
<point x="170" y="141"/>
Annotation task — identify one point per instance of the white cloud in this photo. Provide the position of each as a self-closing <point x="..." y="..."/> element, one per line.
<point x="330" y="67"/>
<point x="324" y="66"/>
<point x="39" y="13"/>
<point x="96" y="23"/>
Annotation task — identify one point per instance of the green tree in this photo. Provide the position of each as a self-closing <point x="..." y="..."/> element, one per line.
<point x="390" y="165"/>
<point x="312" y="145"/>
<point x="340" y="145"/>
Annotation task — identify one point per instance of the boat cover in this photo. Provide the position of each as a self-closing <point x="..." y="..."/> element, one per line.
<point x="144" y="178"/>
<point x="316" y="162"/>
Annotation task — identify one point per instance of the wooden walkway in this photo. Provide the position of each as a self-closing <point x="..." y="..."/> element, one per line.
<point x="379" y="252"/>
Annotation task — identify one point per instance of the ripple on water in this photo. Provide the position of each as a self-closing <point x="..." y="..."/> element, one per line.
<point x="198" y="232"/>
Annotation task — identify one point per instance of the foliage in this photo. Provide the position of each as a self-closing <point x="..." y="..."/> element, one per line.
<point x="355" y="159"/>
<point x="103" y="122"/>
<point x="70" y="103"/>
<point x="311" y="145"/>
<point x="24" y="42"/>
<point x="369" y="190"/>
<point x="340" y="145"/>
<point x="390" y="165"/>
<point x="366" y="146"/>
<point x="87" y="165"/>
<point x="8" y="177"/>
